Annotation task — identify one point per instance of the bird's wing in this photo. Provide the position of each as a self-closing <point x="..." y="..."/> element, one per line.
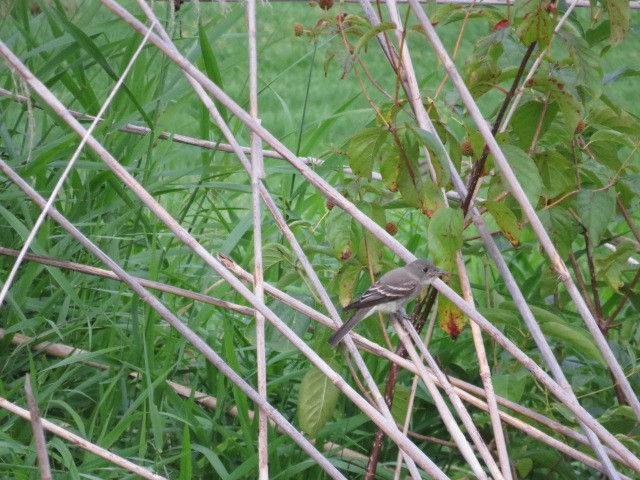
<point x="377" y="294"/>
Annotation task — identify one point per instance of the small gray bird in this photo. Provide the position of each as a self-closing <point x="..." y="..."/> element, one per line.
<point x="389" y="294"/>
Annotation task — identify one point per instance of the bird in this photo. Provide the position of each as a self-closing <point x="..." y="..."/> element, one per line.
<point x="389" y="294"/>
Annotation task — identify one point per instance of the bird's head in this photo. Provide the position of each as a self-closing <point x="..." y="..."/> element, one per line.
<point x="425" y="270"/>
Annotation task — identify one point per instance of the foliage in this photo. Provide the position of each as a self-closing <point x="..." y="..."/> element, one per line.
<point x="572" y="143"/>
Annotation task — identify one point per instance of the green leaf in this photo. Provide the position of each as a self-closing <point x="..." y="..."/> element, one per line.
<point x="614" y="119"/>
<point x="596" y="209"/>
<point x="445" y="237"/>
<point x="400" y="403"/>
<point x="317" y="401"/>
<point x="524" y="467"/>
<point x="506" y="220"/>
<point x="605" y="146"/>
<point x="501" y="316"/>
<point x="273" y="253"/>
<point x="510" y="386"/>
<point x="525" y="121"/>
<point x="371" y="33"/>
<point x="363" y="148"/>
<point x="620" y="15"/>
<point x="577" y="338"/>
<point x="561" y="227"/>
<point x="526" y="172"/>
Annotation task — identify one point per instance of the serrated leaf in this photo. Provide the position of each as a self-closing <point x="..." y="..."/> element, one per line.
<point x="620" y="15"/>
<point x="317" y="401"/>
<point x="506" y="220"/>
<point x="526" y="172"/>
<point x="586" y="61"/>
<point x="605" y="146"/>
<point x="596" y="209"/>
<point x="556" y="173"/>
<point x="273" y="253"/>
<point x="567" y="101"/>
<point x="561" y="227"/>
<point x="445" y="237"/>
<point x="371" y="33"/>
<point x="535" y="24"/>
<point x="363" y="148"/>
<point x="614" y="119"/>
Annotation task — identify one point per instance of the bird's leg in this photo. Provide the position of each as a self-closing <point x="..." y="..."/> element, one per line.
<point x="402" y="314"/>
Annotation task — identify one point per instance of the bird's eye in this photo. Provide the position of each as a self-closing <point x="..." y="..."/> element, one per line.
<point x="425" y="269"/>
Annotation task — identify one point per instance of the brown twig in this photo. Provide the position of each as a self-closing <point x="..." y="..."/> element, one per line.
<point x="580" y="281"/>
<point x="628" y="218"/>
<point x="536" y="135"/>
<point x="478" y="166"/>
<point x="592" y="278"/>
<point x="38" y="431"/>
<point x="100" y="272"/>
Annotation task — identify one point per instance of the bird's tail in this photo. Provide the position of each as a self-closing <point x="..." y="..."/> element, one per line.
<point x="347" y="326"/>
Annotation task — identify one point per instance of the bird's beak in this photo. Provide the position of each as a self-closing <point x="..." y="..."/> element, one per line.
<point x="439" y="273"/>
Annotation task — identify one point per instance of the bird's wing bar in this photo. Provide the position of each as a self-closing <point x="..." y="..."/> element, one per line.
<point x="377" y="294"/>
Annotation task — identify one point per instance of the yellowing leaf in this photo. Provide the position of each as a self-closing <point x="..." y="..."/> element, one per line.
<point x="506" y="220"/>
<point x="451" y="318"/>
<point x="620" y="15"/>
<point x="347" y="278"/>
